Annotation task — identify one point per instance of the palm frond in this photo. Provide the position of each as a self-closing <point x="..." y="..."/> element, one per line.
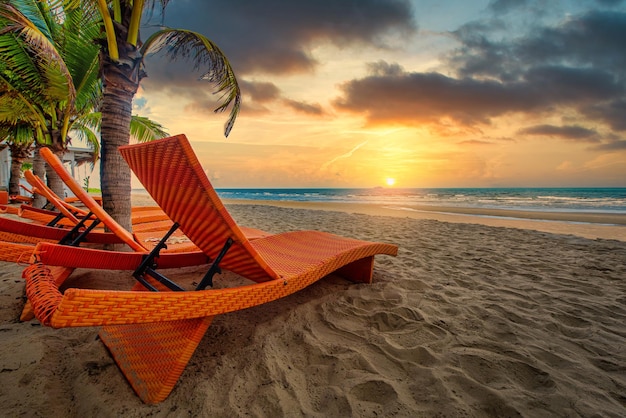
<point x="91" y="120"/>
<point x="83" y="130"/>
<point x="202" y="52"/>
<point x="15" y="105"/>
<point x="19" y="68"/>
<point x="37" y="35"/>
<point x="16" y="11"/>
<point x="109" y="29"/>
<point x="143" y="129"/>
<point x="80" y="27"/>
<point x="19" y="134"/>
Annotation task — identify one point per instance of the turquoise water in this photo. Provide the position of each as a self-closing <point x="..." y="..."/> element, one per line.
<point x="605" y="200"/>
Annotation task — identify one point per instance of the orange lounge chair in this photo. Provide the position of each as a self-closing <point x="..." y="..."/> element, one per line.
<point x="18" y="238"/>
<point x="19" y="198"/>
<point x="152" y="334"/>
<point x="67" y="212"/>
<point x="144" y="218"/>
<point x="147" y="214"/>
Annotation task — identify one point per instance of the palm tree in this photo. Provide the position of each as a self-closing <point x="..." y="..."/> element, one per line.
<point x="122" y="64"/>
<point x="19" y="140"/>
<point x="32" y="32"/>
<point x="49" y="74"/>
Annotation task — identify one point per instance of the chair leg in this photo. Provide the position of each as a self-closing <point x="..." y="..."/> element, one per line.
<point x="153" y="356"/>
<point x="360" y="271"/>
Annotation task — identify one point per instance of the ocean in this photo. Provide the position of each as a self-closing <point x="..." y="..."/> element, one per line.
<point x="601" y="200"/>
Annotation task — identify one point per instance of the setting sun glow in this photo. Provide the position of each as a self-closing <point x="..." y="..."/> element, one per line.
<point x="390" y="181"/>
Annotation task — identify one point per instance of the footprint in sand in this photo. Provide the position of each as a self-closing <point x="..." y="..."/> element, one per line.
<point x="376" y="391"/>
<point x="500" y="373"/>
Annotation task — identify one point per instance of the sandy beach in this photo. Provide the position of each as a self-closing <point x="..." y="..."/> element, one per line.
<point x="477" y="316"/>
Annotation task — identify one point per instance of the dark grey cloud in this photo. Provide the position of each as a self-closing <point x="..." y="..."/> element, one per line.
<point x="276" y="36"/>
<point x="261" y="91"/>
<point x="612" y="112"/>
<point x="314" y="109"/>
<point x="391" y="95"/>
<point x="417" y="98"/>
<point x="571" y="132"/>
<point x="578" y="64"/>
<point x="272" y="36"/>
<point x="596" y="39"/>
<point x="260" y="96"/>
<point x="618" y="145"/>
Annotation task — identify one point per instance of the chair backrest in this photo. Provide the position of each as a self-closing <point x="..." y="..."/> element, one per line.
<point x="56" y="164"/>
<point x="170" y="171"/>
<point x="40" y="187"/>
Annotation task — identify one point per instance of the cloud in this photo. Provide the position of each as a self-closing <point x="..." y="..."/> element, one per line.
<point x="415" y="98"/>
<point x="263" y="94"/>
<point x="306" y="108"/>
<point x="260" y="91"/>
<point x="505" y="6"/>
<point x="573" y="133"/>
<point x="594" y="39"/>
<point x="577" y="66"/>
<point x="611" y="112"/>
<point x="617" y="145"/>
<point x="276" y="37"/>
<point x="342" y="156"/>
<point x="476" y="142"/>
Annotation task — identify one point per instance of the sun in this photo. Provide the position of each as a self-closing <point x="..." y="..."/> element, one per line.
<point x="390" y="181"/>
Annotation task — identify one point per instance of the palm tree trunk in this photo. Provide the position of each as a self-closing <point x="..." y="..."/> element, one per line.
<point x="39" y="170"/>
<point x="53" y="180"/>
<point x="58" y="147"/>
<point x="16" y="174"/>
<point x="115" y="132"/>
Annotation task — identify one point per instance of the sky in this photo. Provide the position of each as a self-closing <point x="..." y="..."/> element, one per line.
<point x="429" y="93"/>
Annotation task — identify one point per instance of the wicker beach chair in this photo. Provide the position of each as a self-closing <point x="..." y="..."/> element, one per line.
<point x="152" y="334"/>
<point x="145" y="219"/>
<point x="68" y="214"/>
<point x="70" y="225"/>
<point x="19" y="198"/>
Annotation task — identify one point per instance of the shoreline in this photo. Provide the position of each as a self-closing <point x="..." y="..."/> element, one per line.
<point x="591" y="225"/>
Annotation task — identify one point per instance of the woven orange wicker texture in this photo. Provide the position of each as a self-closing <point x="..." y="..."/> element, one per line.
<point x="81" y="307"/>
<point x="153" y="356"/>
<point x="22" y="239"/>
<point x="171" y="173"/>
<point x="163" y="328"/>
<point x="9" y="209"/>
<point x="50" y="233"/>
<point x="89" y="258"/>
<point x="43" y="218"/>
<point x="54" y="162"/>
<point x="19" y="211"/>
<point x="40" y="187"/>
<point x="14" y="252"/>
